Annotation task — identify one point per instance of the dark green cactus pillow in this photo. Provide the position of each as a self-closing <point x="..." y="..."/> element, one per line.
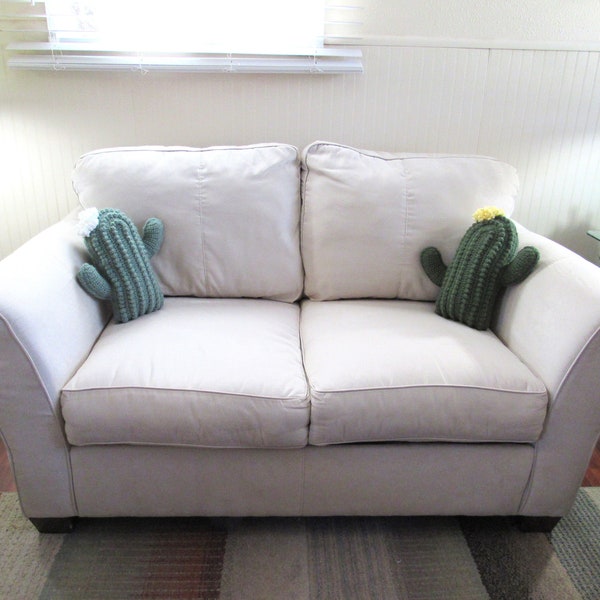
<point x="120" y="269"/>
<point x="486" y="261"/>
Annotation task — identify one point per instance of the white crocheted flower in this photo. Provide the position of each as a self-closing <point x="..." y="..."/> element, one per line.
<point x="88" y="221"/>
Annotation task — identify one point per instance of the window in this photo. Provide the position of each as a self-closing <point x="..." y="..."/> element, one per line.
<point x="195" y="35"/>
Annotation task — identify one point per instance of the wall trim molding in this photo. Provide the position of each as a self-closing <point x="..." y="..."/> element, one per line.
<point x="480" y="44"/>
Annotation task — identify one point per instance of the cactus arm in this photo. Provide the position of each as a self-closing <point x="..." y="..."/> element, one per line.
<point x="93" y="283"/>
<point x="153" y="235"/>
<point x="433" y="265"/>
<point x="521" y="266"/>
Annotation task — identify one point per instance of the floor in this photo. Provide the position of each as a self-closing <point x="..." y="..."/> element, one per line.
<point x="7" y="484"/>
<point x="592" y="475"/>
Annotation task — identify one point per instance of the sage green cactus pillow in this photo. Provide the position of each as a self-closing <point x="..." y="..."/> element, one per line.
<point x="120" y="269"/>
<point x="486" y="261"/>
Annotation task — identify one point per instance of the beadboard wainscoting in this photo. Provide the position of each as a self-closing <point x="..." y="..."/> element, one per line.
<point x="538" y="109"/>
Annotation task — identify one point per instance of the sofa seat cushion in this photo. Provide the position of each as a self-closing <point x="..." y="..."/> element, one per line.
<point x="223" y="373"/>
<point x="389" y="370"/>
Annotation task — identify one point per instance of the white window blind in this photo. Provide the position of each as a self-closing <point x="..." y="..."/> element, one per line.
<point x="316" y="36"/>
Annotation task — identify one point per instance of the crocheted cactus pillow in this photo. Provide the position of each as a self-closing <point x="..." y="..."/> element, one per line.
<point x="121" y="271"/>
<point x="486" y="261"/>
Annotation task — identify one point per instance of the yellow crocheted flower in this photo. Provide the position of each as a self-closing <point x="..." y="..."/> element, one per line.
<point x="487" y="212"/>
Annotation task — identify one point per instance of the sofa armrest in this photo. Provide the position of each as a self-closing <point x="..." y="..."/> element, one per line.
<point x="552" y="322"/>
<point x="48" y="325"/>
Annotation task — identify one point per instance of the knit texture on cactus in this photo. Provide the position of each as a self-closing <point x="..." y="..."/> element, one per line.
<point x="120" y="269"/>
<point x="486" y="261"/>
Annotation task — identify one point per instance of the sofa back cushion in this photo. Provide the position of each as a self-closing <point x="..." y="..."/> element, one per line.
<point x="231" y="214"/>
<point x="368" y="215"/>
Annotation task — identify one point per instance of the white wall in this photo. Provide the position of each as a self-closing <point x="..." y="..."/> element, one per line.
<point x="556" y="21"/>
<point x="522" y="84"/>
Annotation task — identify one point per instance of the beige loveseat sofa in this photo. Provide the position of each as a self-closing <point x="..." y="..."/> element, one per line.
<point x="297" y="366"/>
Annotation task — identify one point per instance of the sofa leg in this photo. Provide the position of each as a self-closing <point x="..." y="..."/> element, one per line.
<point x="537" y="524"/>
<point x="65" y="525"/>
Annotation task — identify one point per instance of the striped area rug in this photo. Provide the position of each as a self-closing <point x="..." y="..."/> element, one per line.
<point x="302" y="559"/>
